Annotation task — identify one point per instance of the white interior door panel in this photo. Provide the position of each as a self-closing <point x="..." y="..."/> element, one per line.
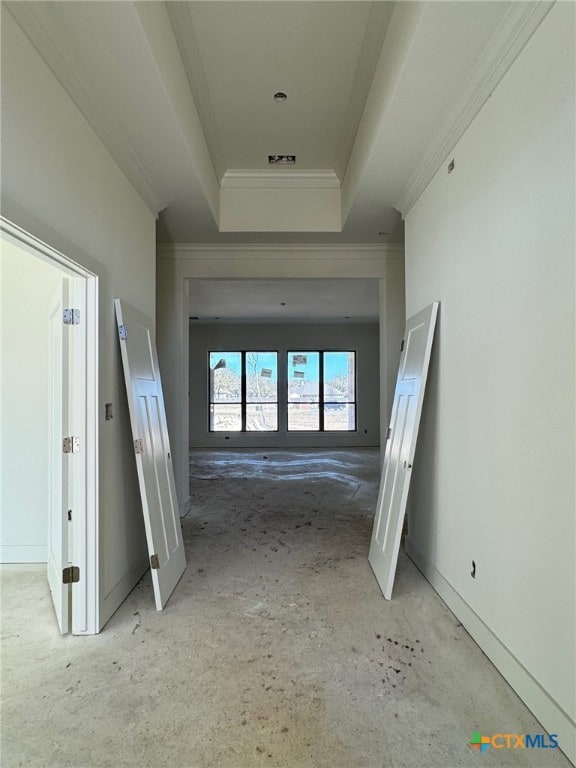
<point x="400" y="447"/>
<point x="58" y="387"/>
<point x="152" y="450"/>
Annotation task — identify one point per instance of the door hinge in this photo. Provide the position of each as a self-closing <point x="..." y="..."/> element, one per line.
<point x="138" y="446"/>
<point x="71" y="445"/>
<point x="71" y="575"/>
<point x="402" y="346"/>
<point x="154" y="562"/>
<point x="71" y="316"/>
<point x="123" y="332"/>
<point x="389" y="433"/>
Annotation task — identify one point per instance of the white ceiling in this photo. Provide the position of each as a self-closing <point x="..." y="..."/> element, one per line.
<point x="181" y="93"/>
<point x="338" y="300"/>
<point x="322" y="55"/>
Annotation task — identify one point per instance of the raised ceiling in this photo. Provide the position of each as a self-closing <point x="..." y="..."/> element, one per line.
<point x="182" y="95"/>
<point x="321" y="55"/>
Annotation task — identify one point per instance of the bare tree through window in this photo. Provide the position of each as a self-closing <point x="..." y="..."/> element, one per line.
<point x="243" y="391"/>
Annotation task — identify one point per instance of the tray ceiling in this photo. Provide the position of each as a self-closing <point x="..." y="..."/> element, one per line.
<point x="181" y="93"/>
<point x="238" y="55"/>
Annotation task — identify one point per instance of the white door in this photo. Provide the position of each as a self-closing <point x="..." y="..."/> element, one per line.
<point x="400" y="447"/>
<point x="152" y="449"/>
<point x="58" y="497"/>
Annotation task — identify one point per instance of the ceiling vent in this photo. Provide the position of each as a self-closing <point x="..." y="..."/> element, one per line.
<point x="281" y="159"/>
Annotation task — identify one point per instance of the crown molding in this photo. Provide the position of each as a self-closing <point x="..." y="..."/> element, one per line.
<point x="185" y="36"/>
<point x="49" y="36"/>
<point x="370" y="51"/>
<point x="516" y="28"/>
<point x="275" y="179"/>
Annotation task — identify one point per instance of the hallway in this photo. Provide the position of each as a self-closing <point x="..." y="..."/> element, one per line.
<point x="276" y="648"/>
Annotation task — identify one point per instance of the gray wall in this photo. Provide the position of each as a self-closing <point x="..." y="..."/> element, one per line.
<point x="493" y="479"/>
<point x="60" y="184"/>
<point x="362" y="338"/>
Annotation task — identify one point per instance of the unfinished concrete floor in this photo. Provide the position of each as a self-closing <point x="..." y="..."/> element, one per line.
<point x="277" y="648"/>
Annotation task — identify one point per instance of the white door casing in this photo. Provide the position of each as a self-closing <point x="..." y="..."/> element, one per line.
<point x="401" y="446"/>
<point x="152" y="450"/>
<point x="58" y="556"/>
<point x="74" y="477"/>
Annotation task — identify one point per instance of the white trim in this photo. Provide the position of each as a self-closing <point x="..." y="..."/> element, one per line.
<point x="85" y="528"/>
<point x="516" y="28"/>
<point x="537" y="699"/>
<point x="37" y="247"/>
<point x="22" y="553"/>
<point x="185" y="36"/>
<point x="276" y="179"/>
<point x="92" y="580"/>
<point x="40" y="22"/>
<point x="370" y="52"/>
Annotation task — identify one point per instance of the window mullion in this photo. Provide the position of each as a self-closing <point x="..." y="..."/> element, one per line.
<point x="321" y="391"/>
<point x="243" y="392"/>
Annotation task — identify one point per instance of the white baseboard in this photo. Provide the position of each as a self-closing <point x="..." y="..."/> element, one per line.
<point x="185" y="506"/>
<point x="121" y="590"/>
<point x="21" y="553"/>
<point x="553" y="718"/>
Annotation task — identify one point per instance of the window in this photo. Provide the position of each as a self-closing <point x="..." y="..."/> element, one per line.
<point x="243" y="389"/>
<point x="322" y="391"/>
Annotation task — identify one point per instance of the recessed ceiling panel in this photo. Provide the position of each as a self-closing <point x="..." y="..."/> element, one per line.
<point x="239" y="55"/>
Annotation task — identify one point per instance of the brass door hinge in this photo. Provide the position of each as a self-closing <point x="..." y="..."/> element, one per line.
<point x="154" y="562"/>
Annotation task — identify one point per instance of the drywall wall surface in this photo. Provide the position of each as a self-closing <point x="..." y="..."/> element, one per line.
<point x="28" y="286"/>
<point x="280" y="210"/>
<point x="60" y="183"/>
<point x="493" y="480"/>
<point x="361" y="338"/>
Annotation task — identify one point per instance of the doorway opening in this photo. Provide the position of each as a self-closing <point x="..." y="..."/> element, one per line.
<point x="284" y="363"/>
<point x="49" y="423"/>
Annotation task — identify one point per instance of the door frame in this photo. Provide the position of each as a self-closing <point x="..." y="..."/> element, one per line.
<point x="178" y="264"/>
<point x="84" y="531"/>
